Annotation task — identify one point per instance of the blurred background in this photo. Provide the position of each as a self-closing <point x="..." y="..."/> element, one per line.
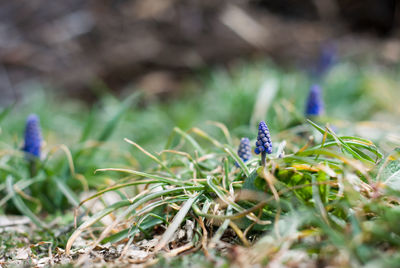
<point x="79" y="47"/>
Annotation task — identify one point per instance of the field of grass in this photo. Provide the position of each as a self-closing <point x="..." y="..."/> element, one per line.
<point x="134" y="179"/>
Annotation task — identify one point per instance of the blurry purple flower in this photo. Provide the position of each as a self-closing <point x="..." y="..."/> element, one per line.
<point x="244" y="150"/>
<point x="33" y="137"/>
<point x="327" y="58"/>
<point x="314" y="105"/>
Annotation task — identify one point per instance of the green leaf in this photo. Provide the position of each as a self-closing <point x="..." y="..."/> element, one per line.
<point x="253" y="183"/>
<point x="392" y="175"/>
<point x="68" y="193"/>
<point x="238" y="160"/>
<point x="176" y="222"/>
<point x="340" y="141"/>
<point x="220" y="193"/>
<point x="111" y="124"/>
<point x="88" y="126"/>
<point x="190" y="139"/>
<point x="116" y="187"/>
<point x="21" y="205"/>
<point x="144" y="225"/>
<point x="147" y="175"/>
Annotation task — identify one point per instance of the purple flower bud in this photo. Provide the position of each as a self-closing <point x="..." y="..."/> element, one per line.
<point x="314" y="105"/>
<point x="244" y="150"/>
<point x="263" y="143"/>
<point x="33" y="137"/>
<point x="327" y="58"/>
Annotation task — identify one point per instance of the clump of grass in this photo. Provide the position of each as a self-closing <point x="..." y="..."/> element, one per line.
<point x="37" y="178"/>
<point x="314" y="197"/>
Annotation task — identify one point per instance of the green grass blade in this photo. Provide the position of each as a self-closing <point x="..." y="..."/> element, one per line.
<point x="21" y="205"/>
<point x="90" y="122"/>
<point x="116" y="187"/>
<point x="147" y="175"/>
<point x="222" y="195"/>
<point x="151" y="156"/>
<point x="340" y="141"/>
<point x="176" y="222"/>
<point x="130" y="232"/>
<point x="68" y="193"/>
<point x="238" y="160"/>
<point x="190" y="139"/>
<point x="111" y="124"/>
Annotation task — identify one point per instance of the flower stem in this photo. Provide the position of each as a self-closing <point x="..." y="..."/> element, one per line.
<point x="263" y="158"/>
<point x="33" y="167"/>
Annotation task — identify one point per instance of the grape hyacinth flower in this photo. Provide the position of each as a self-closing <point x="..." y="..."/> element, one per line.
<point x="33" y="137"/>
<point x="314" y="105"/>
<point x="244" y="150"/>
<point x="327" y="59"/>
<point x="263" y="143"/>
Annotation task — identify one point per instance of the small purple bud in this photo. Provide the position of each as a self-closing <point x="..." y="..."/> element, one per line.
<point x="244" y="150"/>
<point x="327" y="58"/>
<point x="33" y="137"/>
<point x="263" y="143"/>
<point x="314" y="105"/>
